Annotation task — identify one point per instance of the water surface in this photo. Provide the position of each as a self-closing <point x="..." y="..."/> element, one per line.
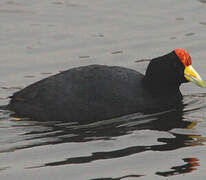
<point x="42" y="38"/>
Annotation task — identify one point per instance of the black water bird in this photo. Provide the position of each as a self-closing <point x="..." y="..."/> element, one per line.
<point x="98" y="92"/>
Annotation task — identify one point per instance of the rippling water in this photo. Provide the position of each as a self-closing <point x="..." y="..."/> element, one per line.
<point x="127" y="147"/>
<point x="41" y="38"/>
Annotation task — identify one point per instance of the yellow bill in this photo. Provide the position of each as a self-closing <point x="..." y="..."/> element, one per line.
<point x="192" y="76"/>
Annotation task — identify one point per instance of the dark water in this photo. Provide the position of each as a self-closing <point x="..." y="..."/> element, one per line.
<point x="41" y="38"/>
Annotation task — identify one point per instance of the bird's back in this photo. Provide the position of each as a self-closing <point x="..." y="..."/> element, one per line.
<point x="87" y="93"/>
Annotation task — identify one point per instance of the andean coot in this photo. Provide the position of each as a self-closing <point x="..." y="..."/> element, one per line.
<point x="98" y="92"/>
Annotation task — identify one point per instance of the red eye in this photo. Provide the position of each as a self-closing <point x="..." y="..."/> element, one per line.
<point x="183" y="56"/>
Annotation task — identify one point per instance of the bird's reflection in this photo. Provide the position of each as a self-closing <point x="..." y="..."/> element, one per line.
<point x="161" y="122"/>
<point x="121" y="178"/>
<point x="64" y="132"/>
<point x="188" y="167"/>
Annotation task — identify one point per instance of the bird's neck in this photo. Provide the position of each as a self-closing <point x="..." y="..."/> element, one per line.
<point x="161" y="77"/>
<point x="158" y="87"/>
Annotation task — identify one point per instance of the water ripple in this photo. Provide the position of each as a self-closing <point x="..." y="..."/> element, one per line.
<point x="177" y="127"/>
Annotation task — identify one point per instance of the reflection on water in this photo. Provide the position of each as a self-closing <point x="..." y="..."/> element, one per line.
<point x="170" y="144"/>
<point x="49" y="36"/>
<point x="203" y="23"/>
<point x="191" y="164"/>
<point x="180" y="19"/>
<point x="189" y="34"/>
<point x="181" y="132"/>
<point x="159" y="122"/>
<point x="120" y="178"/>
<point x="202" y="1"/>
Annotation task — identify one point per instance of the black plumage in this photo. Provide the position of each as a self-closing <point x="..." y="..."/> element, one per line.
<point x="98" y="92"/>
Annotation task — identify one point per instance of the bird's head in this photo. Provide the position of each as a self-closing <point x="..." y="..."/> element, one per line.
<point x="189" y="72"/>
<point x="168" y="72"/>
